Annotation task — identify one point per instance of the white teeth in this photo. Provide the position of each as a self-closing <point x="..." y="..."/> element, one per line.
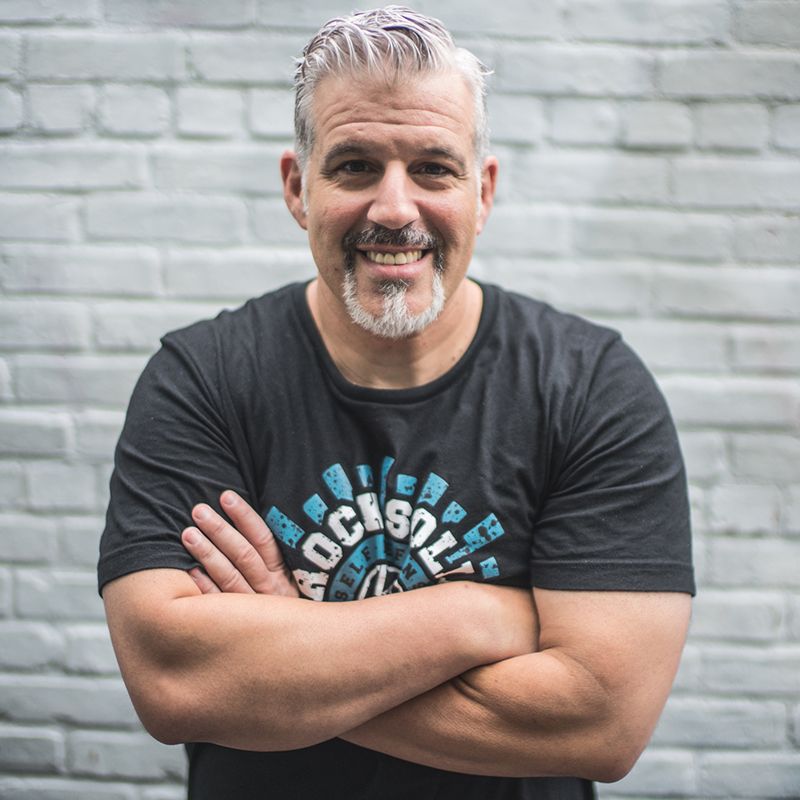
<point x="393" y="259"/>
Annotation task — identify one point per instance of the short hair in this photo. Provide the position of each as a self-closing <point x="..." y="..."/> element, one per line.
<point x="389" y="41"/>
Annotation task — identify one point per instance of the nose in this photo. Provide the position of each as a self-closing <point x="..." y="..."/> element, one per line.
<point x="393" y="205"/>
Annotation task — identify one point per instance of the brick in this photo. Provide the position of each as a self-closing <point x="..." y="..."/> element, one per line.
<point x="763" y="563"/>
<point x="131" y="110"/>
<point x="524" y="229"/>
<point x="577" y="176"/>
<point x="786" y="127"/>
<point x="312" y="15"/>
<point x="180" y="13"/>
<point x="676" y="345"/>
<point x="31" y="749"/>
<point x="662" y="22"/>
<point x="210" y="112"/>
<point x="6" y="392"/>
<point x="656" y="124"/>
<point x="760" y="670"/>
<point x="715" y="74"/>
<point x="271" y="112"/>
<point x="659" y="234"/>
<point x="152" y="217"/>
<point x="68" y="55"/>
<point x="766" y="457"/>
<point x="71" y="166"/>
<point x="254" y="170"/>
<point x="274" y="225"/>
<point x="5" y="593"/>
<point x="589" y="71"/>
<point x="47" y="11"/>
<point x="55" y="595"/>
<point x="43" y="324"/>
<point x="733" y="402"/>
<point x="731" y="126"/>
<point x="30" y="645"/>
<point x="85" y="270"/>
<point x="767" y="239"/>
<point x="688" y="677"/>
<point x="10" y="109"/>
<point x="12" y="485"/>
<point x="63" y="789"/>
<point x="660" y="772"/>
<point x="33" y="432"/>
<point x="772" y="22"/>
<point x="79" y="538"/>
<point x="89" y="650"/>
<point x="704" y="453"/>
<point x="27" y="538"/>
<point x="104" y="472"/>
<point x="737" y="183"/>
<point x="10" y="53"/>
<point x="233" y="274"/>
<point x="59" y="486"/>
<point x="728" y="293"/>
<point x="765" y="349"/>
<point x="585" y="287"/>
<point x="124" y="755"/>
<point x="38" y="218"/>
<point x="255" y="59"/>
<point x="60" y="108"/>
<point x="582" y="122"/>
<point x="703" y="723"/>
<point x="744" y="508"/>
<point x="96" y="434"/>
<point x="731" y="775"/>
<point x="73" y="700"/>
<point x="516" y="119"/>
<point x="140" y="326"/>
<point x="791" y="519"/>
<point x="743" y="616"/>
<point x="164" y="793"/>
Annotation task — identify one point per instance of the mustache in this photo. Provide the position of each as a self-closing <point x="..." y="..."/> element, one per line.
<point x="404" y="237"/>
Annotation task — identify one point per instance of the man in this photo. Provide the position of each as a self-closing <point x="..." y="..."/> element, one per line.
<point x="397" y="436"/>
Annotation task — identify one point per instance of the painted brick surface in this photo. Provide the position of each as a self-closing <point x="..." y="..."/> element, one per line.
<point x="650" y="179"/>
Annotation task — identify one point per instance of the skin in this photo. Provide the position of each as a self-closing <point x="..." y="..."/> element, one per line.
<point x="512" y="682"/>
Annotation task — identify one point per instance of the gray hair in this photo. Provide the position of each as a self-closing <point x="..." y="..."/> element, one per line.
<point x="389" y="41"/>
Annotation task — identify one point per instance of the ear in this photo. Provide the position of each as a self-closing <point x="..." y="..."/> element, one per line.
<point x="292" y="177"/>
<point x="488" y="186"/>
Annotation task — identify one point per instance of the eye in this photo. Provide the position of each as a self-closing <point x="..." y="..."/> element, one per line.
<point x="435" y="170"/>
<point x="354" y="167"/>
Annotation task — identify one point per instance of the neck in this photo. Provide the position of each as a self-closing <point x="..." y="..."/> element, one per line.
<point x="368" y="360"/>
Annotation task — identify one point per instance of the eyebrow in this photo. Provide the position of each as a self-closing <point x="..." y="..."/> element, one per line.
<point x="361" y="150"/>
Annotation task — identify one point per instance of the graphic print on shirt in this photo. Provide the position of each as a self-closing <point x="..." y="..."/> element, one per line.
<point x="358" y="538"/>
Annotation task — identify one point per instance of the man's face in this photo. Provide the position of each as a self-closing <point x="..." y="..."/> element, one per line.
<point x="393" y="196"/>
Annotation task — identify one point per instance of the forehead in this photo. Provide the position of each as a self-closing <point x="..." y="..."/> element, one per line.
<point x="429" y="110"/>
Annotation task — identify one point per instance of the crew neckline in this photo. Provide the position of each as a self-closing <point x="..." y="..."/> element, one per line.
<point x="410" y="394"/>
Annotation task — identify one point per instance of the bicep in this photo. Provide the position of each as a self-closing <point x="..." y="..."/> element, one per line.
<point x="625" y="646"/>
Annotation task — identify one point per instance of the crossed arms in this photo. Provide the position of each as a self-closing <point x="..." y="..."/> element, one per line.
<point x="461" y="676"/>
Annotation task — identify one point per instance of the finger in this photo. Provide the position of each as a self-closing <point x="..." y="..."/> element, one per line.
<point x="203" y="582"/>
<point x="243" y="557"/>
<point x="253" y="527"/>
<point x="215" y="563"/>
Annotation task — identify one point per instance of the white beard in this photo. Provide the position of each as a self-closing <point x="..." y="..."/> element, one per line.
<point x="395" y="321"/>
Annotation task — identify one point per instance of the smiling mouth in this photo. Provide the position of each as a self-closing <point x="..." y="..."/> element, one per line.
<point x="393" y="259"/>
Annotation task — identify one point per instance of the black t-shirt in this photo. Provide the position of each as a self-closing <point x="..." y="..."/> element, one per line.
<point x="545" y="457"/>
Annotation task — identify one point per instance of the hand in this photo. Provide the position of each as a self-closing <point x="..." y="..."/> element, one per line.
<point x="243" y="557"/>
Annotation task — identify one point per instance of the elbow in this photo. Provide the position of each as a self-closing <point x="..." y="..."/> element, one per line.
<point x="163" y="712"/>
<point x="613" y="761"/>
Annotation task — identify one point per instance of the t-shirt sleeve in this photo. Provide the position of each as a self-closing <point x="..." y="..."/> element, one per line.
<point x="176" y="449"/>
<point x="616" y="516"/>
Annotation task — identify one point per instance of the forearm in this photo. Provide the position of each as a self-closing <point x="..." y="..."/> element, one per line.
<point x="269" y="673"/>
<point x="534" y="715"/>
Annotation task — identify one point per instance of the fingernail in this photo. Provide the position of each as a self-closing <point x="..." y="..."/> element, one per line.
<point x="190" y="536"/>
<point x="200" y="512"/>
<point x="228" y="498"/>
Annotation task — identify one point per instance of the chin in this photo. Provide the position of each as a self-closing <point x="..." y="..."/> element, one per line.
<point x="394" y="320"/>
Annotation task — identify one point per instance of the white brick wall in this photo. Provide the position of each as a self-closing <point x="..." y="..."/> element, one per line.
<point x="650" y="178"/>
